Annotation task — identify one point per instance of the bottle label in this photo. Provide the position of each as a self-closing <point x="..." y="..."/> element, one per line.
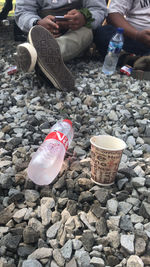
<point x="59" y="137"/>
<point x="115" y="47"/>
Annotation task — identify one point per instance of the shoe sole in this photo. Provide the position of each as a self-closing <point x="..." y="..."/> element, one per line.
<point x="26" y="57"/>
<point x="49" y="58"/>
<point x="141" y="75"/>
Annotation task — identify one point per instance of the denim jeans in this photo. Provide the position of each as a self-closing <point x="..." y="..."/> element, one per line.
<point x="103" y="34"/>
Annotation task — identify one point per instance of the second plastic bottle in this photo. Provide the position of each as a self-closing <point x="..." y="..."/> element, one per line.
<point x="114" y="48"/>
<point x="47" y="161"/>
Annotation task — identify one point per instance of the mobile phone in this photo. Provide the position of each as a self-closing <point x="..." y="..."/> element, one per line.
<point x="60" y="18"/>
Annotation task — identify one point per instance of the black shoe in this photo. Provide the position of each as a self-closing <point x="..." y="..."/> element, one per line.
<point x="49" y="58"/>
<point x="42" y="78"/>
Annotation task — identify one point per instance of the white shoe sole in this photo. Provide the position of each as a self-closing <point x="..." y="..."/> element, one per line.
<point x="26" y="57"/>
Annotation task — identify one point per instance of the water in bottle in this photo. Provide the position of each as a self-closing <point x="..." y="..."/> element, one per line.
<point x="48" y="159"/>
<point x="114" y="48"/>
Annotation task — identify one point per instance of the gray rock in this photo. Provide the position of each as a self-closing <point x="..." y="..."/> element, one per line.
<point x="84" y="219"/>
<point x="112" y="206"/>
<point x="113" y="115"/>
<point x="102" y="195"/>
<point x="46" y="205"/>
<point x="83" y="258"/>
<point x="121" y="183"/>
<point x="113" y="222"/>
<point x="137" y="153"/>
<point x="101" y="227"/>
<point x="124" y="207"/>
<point x="113" y="238"/>
<point x="98" y="210"/>
<point x="127" y="242"/>
<point x="25" y="250"/>
<point x="6" y="214"/>
<point x="59" y="259"/>
<point x="98" y="248"/>
<point x="66" y="250"/>
<point x="134" y="260"/>
<point x="30" y="235"/>
<point x="86" y="197"/>
<point x="41" y="253"/>
<point x="136" y="218"/>
<point x="98" y="262"/>
<point x="71" y="263"/>
<point x="140" y="246"/>
<point x="77" y="244"/>
<point x="125" y="223"/>
<point x="31" y="263"/>
<point x="72" y="207"/>
<point x="31" y="195"/>
<point x="37" y="226"/>
<point x="88" y="240"/>
<point x="139" y="171"/>
<point x="53" y="264"/>
<point x="10" y="241"/>
<point x="131" y="141"/>
<point x="145" y="210"/>
<point x="138" y="181"/>
<point x="19" y="215"/>
<point x="52" y="230"/>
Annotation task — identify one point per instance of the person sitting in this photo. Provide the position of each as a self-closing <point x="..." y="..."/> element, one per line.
<point x="55" y="40"/>
<point x="133" y="17"/>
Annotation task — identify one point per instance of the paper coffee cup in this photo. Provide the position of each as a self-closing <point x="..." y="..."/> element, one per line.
<point x="106" y="152"/>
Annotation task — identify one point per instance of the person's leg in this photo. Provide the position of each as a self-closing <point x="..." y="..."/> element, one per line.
<point x="7" y="7"/>
<point x="135" y="47"/>
<point x="51" y="53"/>
<point x="73" y="43"/>
<point x="19" y="35"/>
<point x="102" y="36"/>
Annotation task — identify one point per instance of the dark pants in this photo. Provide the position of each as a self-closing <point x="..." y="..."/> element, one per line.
<point x="103" y="34"/>
<point x="7" y="7"/>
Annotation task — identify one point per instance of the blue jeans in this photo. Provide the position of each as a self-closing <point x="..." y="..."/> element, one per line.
<point x="103" y="34"/>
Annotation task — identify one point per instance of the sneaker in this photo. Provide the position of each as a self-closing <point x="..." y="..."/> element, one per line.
<point x="49" y="58"/>
<point x="25" y="57"/>
<point x="141" y="68"/>
<point x="142" y="63"/>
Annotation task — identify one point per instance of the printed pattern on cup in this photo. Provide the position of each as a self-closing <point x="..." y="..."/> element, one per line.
<point x="104" y="165"/>
<point x="59" y="137"/>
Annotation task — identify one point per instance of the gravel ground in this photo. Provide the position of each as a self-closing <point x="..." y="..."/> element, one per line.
<point x="73" y="222"/>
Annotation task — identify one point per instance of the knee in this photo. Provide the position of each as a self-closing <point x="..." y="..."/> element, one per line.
<point x="103" y="31"/>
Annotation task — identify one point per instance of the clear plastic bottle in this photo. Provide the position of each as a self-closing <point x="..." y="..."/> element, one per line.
<point x="48" y="159"/>
<point x="114" y="48"/>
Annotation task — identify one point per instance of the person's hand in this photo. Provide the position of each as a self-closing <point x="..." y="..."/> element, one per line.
<point x="143" y="37"/>
<point x="49" y="23"/>
<point x="63" y="25"/>
<point x="75" y="19"/>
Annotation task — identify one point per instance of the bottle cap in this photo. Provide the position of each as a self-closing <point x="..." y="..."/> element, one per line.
<point x="68" y="121"/>
<point x="120" y="30"/>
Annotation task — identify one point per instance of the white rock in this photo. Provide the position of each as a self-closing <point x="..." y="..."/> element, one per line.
<point x="127" y="242"/>
<point x="134" y="261"/>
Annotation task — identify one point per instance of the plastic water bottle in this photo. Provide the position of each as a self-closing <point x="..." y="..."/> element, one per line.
<point x="114" y="48"/>
<point x="48" y="159"/>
